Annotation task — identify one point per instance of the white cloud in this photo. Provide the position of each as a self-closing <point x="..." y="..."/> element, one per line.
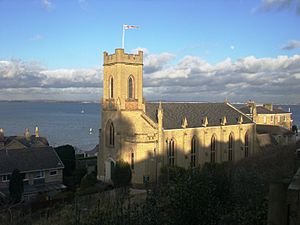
<point x="37" y="37"/>
<point x="290" y="45"/>
<point x="268" y="5"/>
<point x="47" y="4"/>
<point x="191" y="78"/>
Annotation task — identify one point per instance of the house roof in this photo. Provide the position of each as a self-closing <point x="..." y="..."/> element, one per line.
<point x="33" y="141"/>
<point x="262" y="110"/>
<point x="275" y="130"/>
<point x="29" y="159"/>
<point x="174" y="114"/>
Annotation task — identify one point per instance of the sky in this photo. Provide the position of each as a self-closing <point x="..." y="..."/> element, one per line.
<point x="194" y="50"/>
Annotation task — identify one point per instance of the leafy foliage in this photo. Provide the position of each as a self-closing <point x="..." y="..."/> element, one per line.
<point x="66" y="154"/>
<point x="121" y="174"/>
<point x="16" y="187"/>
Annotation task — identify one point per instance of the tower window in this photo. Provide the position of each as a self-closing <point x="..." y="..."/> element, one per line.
<point x="230" y="147"/>
<point x="246" y="144"/>
<point x="213" y="148"/>
<point x="132" y="161"/>
<point x="193" y="152"/>
<point x="111" y="88"/>
<point x="110" y="134"/>
<point x="130" y="88"/>
<point x="171" y="153"/>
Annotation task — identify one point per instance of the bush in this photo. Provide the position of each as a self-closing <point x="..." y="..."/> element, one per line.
<point x="121" y="174"/>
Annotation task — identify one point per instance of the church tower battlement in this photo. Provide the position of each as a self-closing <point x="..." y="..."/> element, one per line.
<point x="123" y="81"/>
<point x="121" y="57"/>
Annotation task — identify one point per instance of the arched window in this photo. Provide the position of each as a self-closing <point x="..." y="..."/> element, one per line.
<point x="171" y="153"/>
<point x="230" y="147"/>
<point x="110" y="134"/>
<point x="213" y="148"/>
<point x="246" y="144"/>
<point x="132" y="160"/>
<point x="111" y="88"/>
<point x="193" y="152"/>
<point x="130" y="88"/>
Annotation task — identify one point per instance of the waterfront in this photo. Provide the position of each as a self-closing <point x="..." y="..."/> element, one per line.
<point x="65" y="123"/>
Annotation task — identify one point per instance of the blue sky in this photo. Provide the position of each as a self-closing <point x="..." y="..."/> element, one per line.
<point x="58" y="36"/>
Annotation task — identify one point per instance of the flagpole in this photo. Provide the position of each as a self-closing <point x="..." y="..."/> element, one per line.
<point x="123" y="36"/>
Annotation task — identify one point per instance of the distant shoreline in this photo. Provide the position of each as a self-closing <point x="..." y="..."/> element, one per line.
<point x="93" y="102"/>
<point x="51" y="101"/>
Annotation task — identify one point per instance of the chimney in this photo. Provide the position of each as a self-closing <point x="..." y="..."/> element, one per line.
<point x="37" y="132"/>
<point x="1" y="138"/>
<point x="268" y="106"/>
<point x="27" y="134"/>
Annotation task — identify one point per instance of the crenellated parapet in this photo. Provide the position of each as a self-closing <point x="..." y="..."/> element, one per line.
<point x="121" y="57"/>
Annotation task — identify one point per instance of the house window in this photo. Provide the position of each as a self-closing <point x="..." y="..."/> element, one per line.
<point x="130" y="88"/>
<point x="110" y="134"/>
<point x="6" y="177"/>
<point x="284" y="118"/>
<point x="230" y="147"/>
<point x="213" y="148"/>
<point x="132" y="160"/>
<point x="111" y="88"/>
<point x="265" y="119"/>
<point x="271" y="118"/>
<point x="246" y="144"/>
<point x="171" y="153"/>
<point x="278" y="119"/>
<point x="39" y="175"/>
<point x="193" y="152"/>
<point x="53" y="172"/>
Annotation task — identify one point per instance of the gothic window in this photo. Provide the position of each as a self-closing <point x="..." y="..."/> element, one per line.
<point x="246" y="144"/>
<point x="230" y="147"/>
<point x="132" y="160"/>
<point x="110" y="134"/>
<point x="171" y="152"/>
<point x="111" y="88"/>
<point x="193" y="152"/>
<point x="130" y="88"/>
<point x="213" y="148"/>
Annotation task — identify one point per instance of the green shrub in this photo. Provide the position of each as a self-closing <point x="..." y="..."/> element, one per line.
<point x="121" y="174"/>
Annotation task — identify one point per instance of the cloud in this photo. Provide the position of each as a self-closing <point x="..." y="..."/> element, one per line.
<point x="19" y="74"/>
<point x="190" y="78"/>
<point x="268" y="5"/>
<point x="47" y="4"/>
<point x="290" y="45"/>
<point x="37" y="37"/>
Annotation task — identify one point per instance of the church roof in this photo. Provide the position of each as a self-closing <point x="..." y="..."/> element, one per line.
<point x="174" y="114"/>
<point x="262" y="110"/>
<point x="29" y="159"/>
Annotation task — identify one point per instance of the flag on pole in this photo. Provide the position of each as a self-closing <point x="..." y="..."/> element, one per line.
<point x="126" y="27"/>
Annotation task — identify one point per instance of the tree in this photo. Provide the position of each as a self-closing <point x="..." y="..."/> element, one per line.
<point x="66" y="154"/>
<point x="16" y="187"/>
<point x="121" y="174"/>
<point x="295" y="129"/>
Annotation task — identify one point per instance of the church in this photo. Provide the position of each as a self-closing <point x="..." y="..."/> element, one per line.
<point x="150" y="135"/>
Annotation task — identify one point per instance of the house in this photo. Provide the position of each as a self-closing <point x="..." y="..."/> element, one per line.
<point x="40" y="166"/>
<point x="267" y="114"/>
<point x="151" y="135"/>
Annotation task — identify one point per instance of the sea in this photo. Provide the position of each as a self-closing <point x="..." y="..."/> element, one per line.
<point x="75" y="123"/>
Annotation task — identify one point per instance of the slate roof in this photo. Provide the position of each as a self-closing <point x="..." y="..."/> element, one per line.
<point x="29" y="159"/>
<point x="262" y="110"/>
<point x="174" y="113"/>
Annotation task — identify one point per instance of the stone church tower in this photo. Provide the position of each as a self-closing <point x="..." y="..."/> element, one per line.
<point x="122" y="106"/>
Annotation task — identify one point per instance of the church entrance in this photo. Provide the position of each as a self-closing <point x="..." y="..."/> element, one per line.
<point x="109" y="165"/>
